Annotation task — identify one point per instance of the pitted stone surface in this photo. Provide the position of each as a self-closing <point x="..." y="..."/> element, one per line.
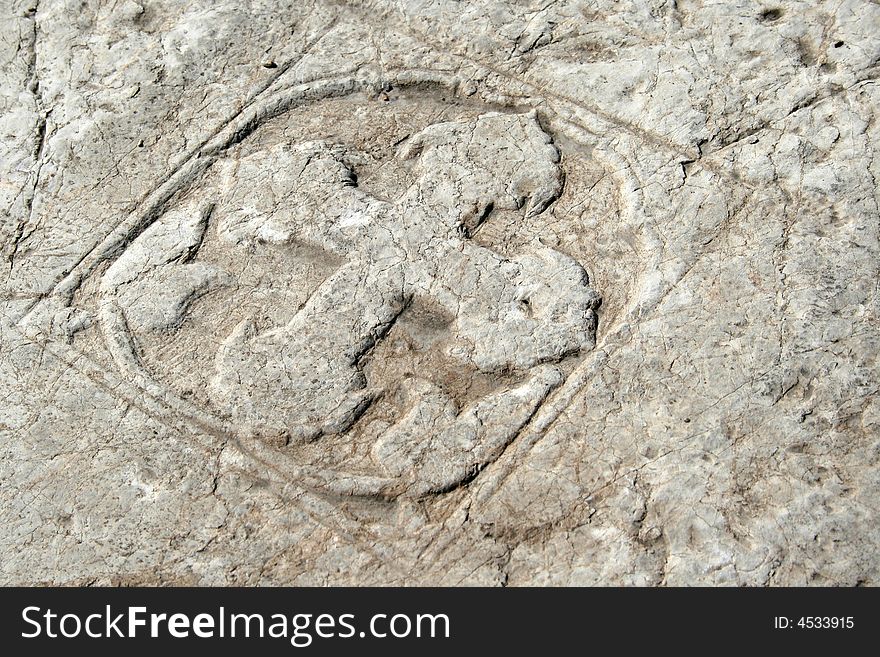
<point x="439" y="293"/>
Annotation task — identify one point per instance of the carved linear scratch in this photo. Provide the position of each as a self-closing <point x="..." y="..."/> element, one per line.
<point x="187" y="168"/>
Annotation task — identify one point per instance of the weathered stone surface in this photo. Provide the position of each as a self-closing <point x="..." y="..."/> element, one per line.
<point x="439" y="293"/>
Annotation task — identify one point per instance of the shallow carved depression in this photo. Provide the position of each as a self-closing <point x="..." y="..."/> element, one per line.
<point x="375" y="286"/>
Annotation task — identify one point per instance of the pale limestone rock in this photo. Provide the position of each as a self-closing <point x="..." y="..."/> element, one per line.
<point x="433" y="292"/>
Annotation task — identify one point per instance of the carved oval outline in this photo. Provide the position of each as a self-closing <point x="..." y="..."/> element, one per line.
<point x="189" y="172"/>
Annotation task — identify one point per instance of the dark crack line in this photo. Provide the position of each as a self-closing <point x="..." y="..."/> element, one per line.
<point x="33" y="86"/>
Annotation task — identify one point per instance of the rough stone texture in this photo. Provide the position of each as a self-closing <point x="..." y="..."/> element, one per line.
<point x="436" y="292"/>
